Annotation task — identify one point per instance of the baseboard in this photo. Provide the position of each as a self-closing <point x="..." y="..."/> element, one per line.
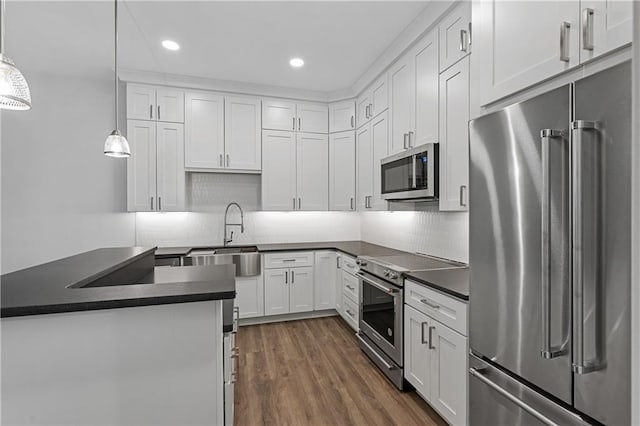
<point x="287" y="317"/>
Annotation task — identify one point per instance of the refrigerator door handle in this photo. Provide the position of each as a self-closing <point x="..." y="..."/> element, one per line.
<point x="581" y="365"/>
<point x="548" y="350"/>
<point x="477" y="372"/>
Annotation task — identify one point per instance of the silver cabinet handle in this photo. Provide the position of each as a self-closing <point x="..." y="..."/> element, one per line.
<point x="431" y="337"/>
<point x="236" y="320"/>
<point x="469" y="34"/>
<point x="375" y="353"/>
<point x="463" y="189"/>
<point x="159" y="203"/>
<point x="351" y="314"/>
<point x="151" y="111"/>
<point x="351" y="288"/>
<point x="151" y="203"/>
<point x="158" y="112"/>
<point x="220" y="161"/>
<point x="477" y="372"/>
<point x="429" y="303"/>
<point x="565" y="28"/>
<point x="338" y="262"/>
<point x="547" y="352"/>
<point x="288" y="260"/>
<point x="351" y="203"/>
<point x="352" y="122"/>
<point x="370" y="110"/>
<point x="586" y="201"/>
<point x="299" y="124"/>
<point x="463" y="41"/>
<point x="405" y="142"/>
<point x="411" y="134"/>
<point x="422" y="333"/>
<point x="587" y="28"/>
<point x="294" y="203"/>
<point x="293" y="277"/>
<point x="350" y="265"/>
<point x="366" y="111"/>
<point x="286" y="277"/>
<point x="293" y="127"/>
<point x="299" y="203"/>
<point x="227" y="160"/>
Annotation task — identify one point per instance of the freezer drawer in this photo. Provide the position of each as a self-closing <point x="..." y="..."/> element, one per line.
<point x="498" y="399"/>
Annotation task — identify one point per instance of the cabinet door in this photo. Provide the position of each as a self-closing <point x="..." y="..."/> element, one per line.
<point x="342" y="171"/>
<point x="425" y="116"/>
<point x="379" y="95"/>
<point x="454" y="137"/>
<point x="337" y="270"/>
<point x="170" y="105"/>
<point x="342" y="116"/>
<point x="141" y="166"/>
<point x="278" y="170"/>
<point x="242" y="134"/>
<point x="379" y="146"/>
<point x="170" y="167"/>
<point x="518" y="44"/>
<point x="417" y="355"/>
<point x="455" y="35"/>
<point x="276" y="291"/>
<point x="278" y="115"/>
<point x="449" y="386"/>
<point x="204" y="131"/>
<point x="364" y="177"/>
<point x="324" y="286"/>
<point x="301" y="289"/>
<point x="312" y="183"/>
<point x="402" y="95"/>
<point x="312" y="118"/>
<point x="362" y="108"/>
<point x="141" y="102"/>
<point x="604" y="26"/>
<point x="250" y="296"/>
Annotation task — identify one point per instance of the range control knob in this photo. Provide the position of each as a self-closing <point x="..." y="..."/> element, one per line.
<point x="361" y="262"/>
<point x="393" y="275"/>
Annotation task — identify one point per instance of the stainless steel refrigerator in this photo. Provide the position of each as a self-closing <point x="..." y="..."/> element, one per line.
<point x="550" y="220"/>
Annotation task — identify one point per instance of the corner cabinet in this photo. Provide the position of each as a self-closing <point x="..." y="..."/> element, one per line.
<point x="454" y="137"/>
<point x="155" y="171"/>
<point x="342" y="116"/>
<point x="373" y="101"/>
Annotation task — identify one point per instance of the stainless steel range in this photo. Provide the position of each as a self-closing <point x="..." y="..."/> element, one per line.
<point x="381" y="307"/>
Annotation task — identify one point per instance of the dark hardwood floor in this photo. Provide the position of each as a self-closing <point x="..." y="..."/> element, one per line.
<point x="311" y="372"/>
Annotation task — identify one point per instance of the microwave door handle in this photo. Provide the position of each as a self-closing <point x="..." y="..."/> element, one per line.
<point x="415" y="158"/>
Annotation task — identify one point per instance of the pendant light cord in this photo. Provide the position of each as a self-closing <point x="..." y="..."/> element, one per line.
<point x="115" y="72"/>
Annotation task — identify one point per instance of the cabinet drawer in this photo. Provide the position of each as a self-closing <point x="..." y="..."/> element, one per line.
<point x="288" y="259"/>
<point x="351" y="313"/>
<point x="448" y="311"/>
<point x="350" y="287"/>
<point x="348" y="264"/>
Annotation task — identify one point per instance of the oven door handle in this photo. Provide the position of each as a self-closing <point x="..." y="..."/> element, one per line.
<point x="378" y="285"/>
<point x="382" y="360"/>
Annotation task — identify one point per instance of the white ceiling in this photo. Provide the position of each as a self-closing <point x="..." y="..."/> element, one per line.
<point x="237" y="41"/>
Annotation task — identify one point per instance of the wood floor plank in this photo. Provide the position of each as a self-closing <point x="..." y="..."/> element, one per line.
<point x="312" y="372"/>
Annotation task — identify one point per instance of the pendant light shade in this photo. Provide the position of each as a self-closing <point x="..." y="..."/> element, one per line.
<point x="116" y="144"/>
<point x="14" y="90"/>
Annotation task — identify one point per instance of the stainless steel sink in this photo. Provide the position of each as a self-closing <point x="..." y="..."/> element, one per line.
<point x="246" y="259"/>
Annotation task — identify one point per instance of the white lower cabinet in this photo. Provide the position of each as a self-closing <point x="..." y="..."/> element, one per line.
<point x="250" y="296"/>
<point x="288" y="290"/>
<point x="435" y="363"/>
<point x="324" y="280"/>
<point x="301" y="289"/>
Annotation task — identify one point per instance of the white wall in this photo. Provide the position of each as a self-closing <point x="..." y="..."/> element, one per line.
<point x="60" y="194"/>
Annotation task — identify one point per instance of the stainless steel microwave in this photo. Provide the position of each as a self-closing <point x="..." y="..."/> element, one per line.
<point x="411" y="175"/>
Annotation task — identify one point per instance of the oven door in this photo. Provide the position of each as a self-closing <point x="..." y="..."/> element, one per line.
<point x="381" y="314"/>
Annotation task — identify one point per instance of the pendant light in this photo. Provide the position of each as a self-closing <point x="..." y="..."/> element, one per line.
<point x="116" y="145"/>
<point x="14" y="90"/>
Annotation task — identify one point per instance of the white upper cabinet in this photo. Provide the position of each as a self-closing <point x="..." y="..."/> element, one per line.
<point x="454" y="141"/>
<point x="278" y="171"/>
<point x="455" y="35"/>
<point x="242" y="134"/>
<point x="312" y="183"/>
<point x="342" y="171"/>
<point x="402" y="94"/>
<point x="312" y="118"/>
<point x="522" y="43"/>
<point x="155" y="171"/>
<point x="342" y="116"/>
<point x="413" y="84"/>
<point x="154" y="103"/>
<point x="170" y="167"/>
<point x="364" y="169"/>
<point x="379" y="148"/>
<point x="324" y="280"/>
<point x="373" y="101"/>
<point x="278" y="115"/>
<point x="604" y="26"/>
<point x="170" y="105"/>
<point x="204" y="131"/>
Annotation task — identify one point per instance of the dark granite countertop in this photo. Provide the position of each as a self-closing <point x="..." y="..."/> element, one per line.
<point x="451" y="281"/>
<point x="58" y="286"/>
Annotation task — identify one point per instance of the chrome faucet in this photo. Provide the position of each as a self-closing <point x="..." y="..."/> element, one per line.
<point x="227" y="224"/>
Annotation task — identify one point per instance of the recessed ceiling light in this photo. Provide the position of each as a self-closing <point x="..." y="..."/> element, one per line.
<point x="296" y="62"/>
<point x="170" y="45"/>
